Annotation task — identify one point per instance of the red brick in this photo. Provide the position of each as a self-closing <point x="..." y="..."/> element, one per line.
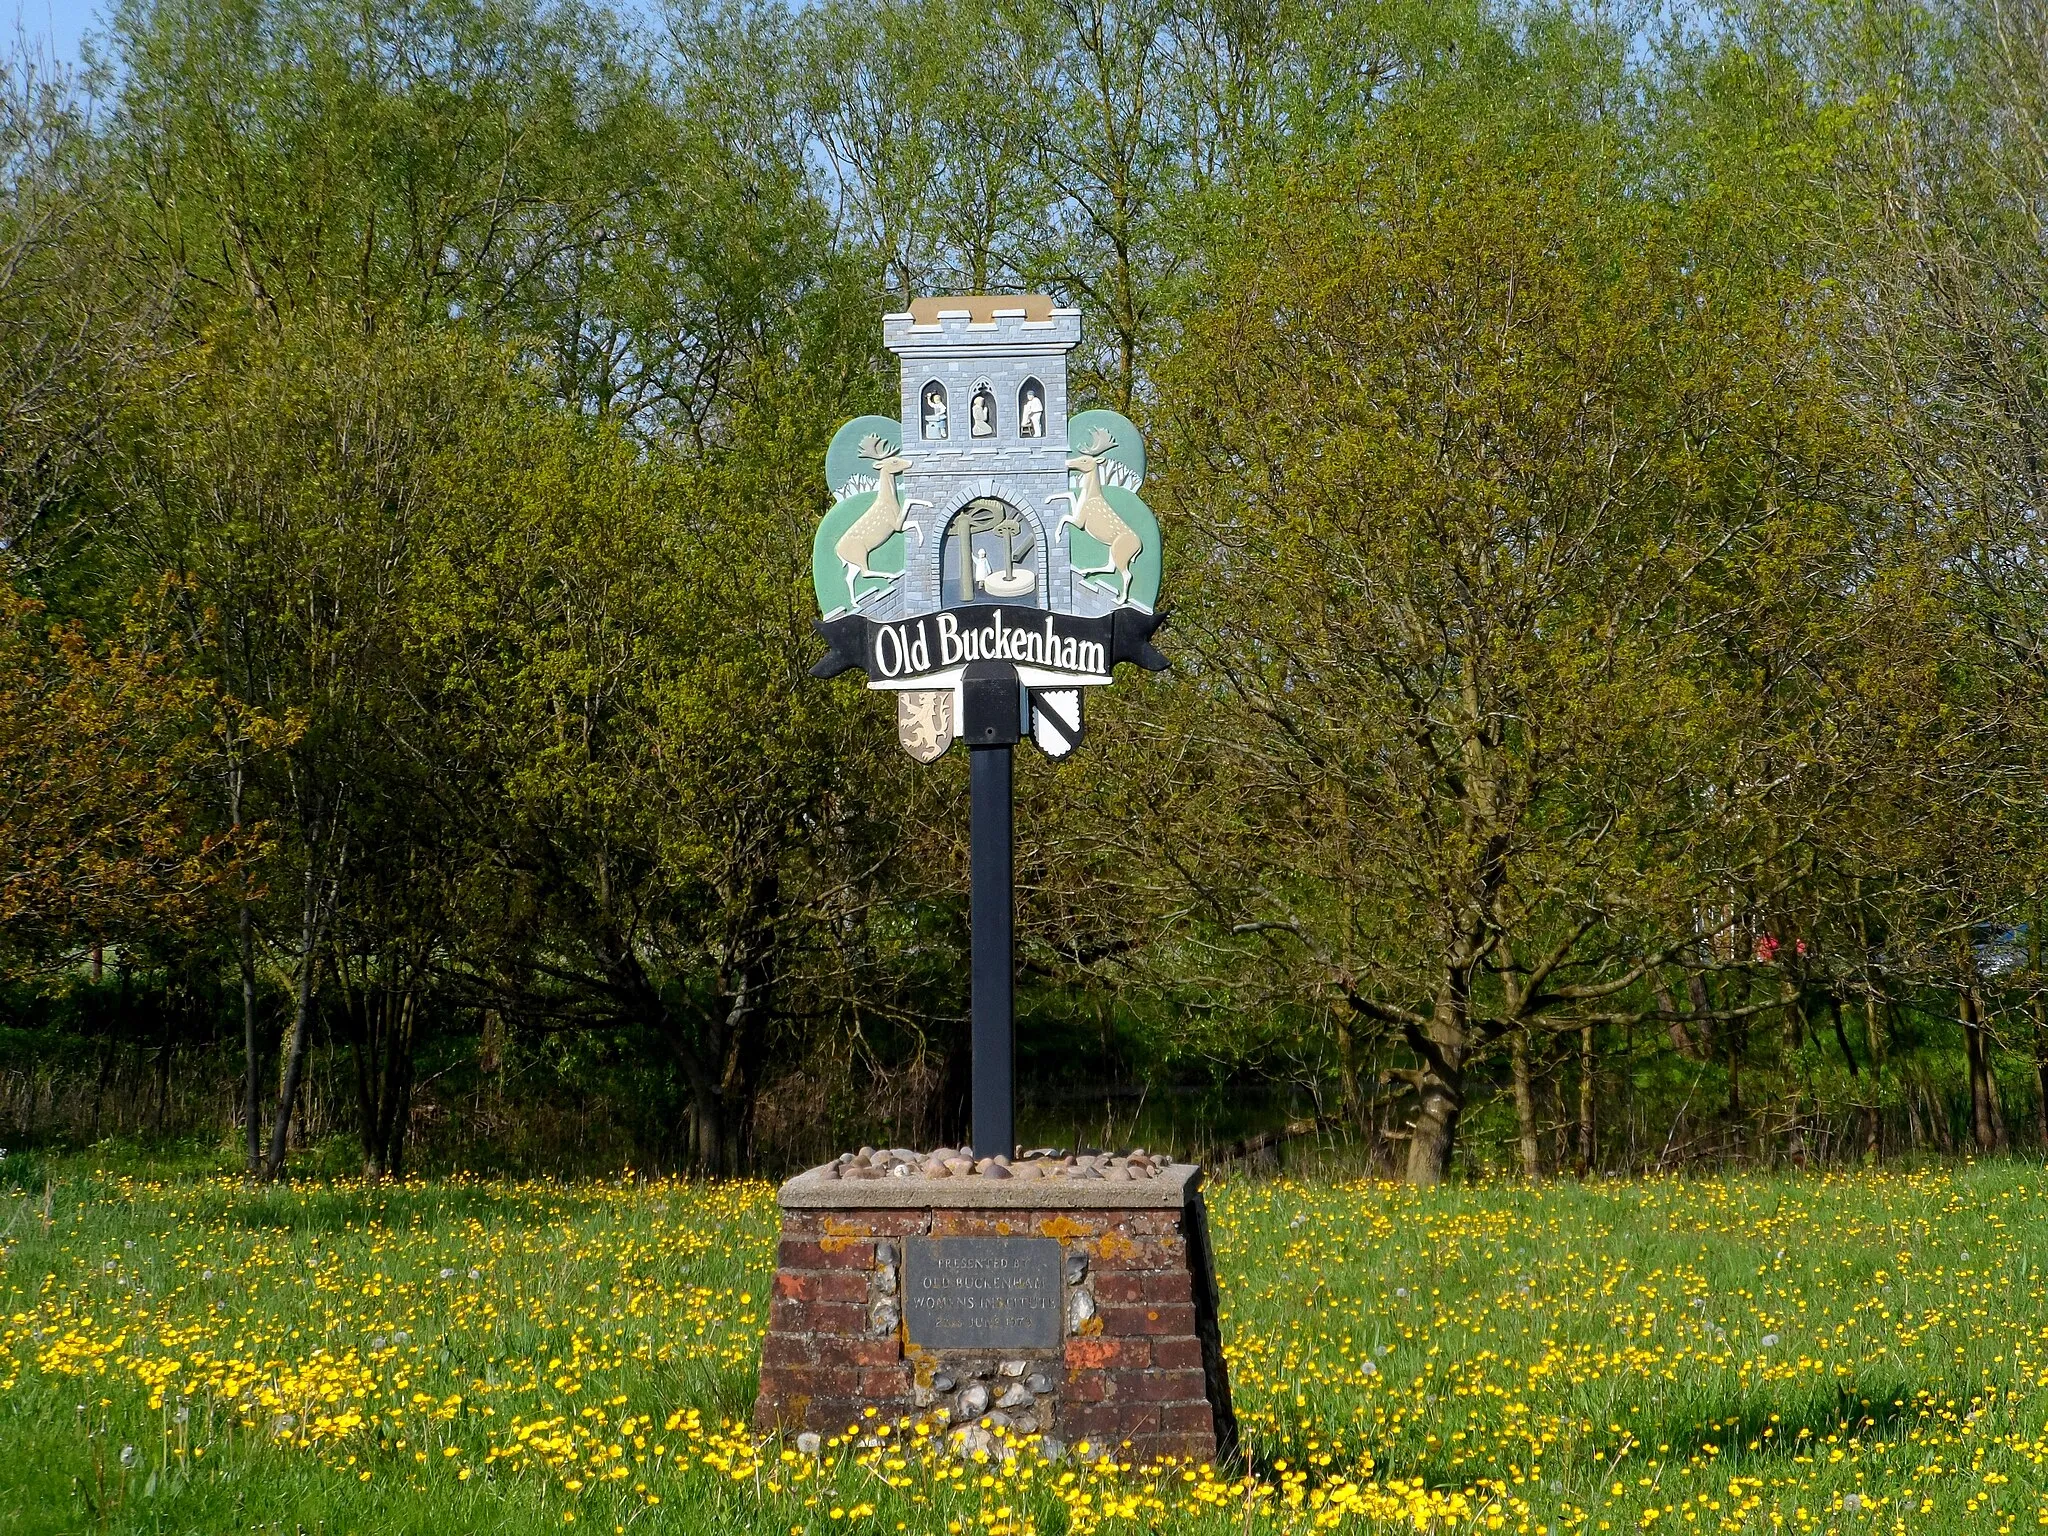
<point x="788" y="1349"/>
<point x="1167" y="1318"/>
<point x="1120" y="1286"/>
<point x="1098" y="1353"/>
<point x="1177" y="1354"/>
<point x="1087" y="1387"/>
<point x="981" y="1223"/>
<point x="1156" y="1386"/>
<point x="1116" y="1252"/>
<point x="817" y="1381"/>
<point x="830" y="1416"/>
<point x="1068" y="1225"/>
<point x="1188" y="1417"/>
<point x="1163" y="1223"/>
<point x="780" y="1413"/>
<point x="822" y="1285"/>
<point x="1107" y="1422"/>
<point x="786" y="1315"/>
<point x="884" y="1381"/>
<point x="854" y="1225"/>
<point x="1169" y="1285"/>
<point x="785" y="1381"/>
<point x="804" y="1253"/>
<point x="841" y="1351"/>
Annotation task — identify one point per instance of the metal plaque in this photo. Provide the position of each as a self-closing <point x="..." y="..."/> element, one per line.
<point x="982" y="1292"/>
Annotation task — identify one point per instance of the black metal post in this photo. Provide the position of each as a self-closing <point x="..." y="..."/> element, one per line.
<point x="991" y="914"/>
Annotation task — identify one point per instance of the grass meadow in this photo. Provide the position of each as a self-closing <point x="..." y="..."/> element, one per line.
<point x="1848" y="1353"/>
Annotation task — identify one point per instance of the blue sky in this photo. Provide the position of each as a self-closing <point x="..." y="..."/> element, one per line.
<point x="56" y="24"/>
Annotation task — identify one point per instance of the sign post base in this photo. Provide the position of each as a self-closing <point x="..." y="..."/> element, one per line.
<point x="1077" y="1312"/>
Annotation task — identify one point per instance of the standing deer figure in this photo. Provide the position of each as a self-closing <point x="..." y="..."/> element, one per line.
<point x="1091" y="512"/>
<point x="882" y="521"/>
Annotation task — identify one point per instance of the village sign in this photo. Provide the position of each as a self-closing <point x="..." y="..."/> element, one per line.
<point x="987" y="559"/>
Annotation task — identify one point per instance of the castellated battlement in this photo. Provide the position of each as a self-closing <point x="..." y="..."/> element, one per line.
<point x="984" y="374"/>
<point x="984" y="410"/>
<point x="995" y="321"/>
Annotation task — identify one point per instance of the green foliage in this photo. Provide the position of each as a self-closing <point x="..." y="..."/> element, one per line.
<point x="1598" y="476"/>
<point x="1567" y="1356"/>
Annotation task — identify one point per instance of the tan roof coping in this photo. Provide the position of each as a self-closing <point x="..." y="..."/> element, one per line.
<point x="982" y="308"/>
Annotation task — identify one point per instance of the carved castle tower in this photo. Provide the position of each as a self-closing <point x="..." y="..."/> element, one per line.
<point x="984" y="412"/>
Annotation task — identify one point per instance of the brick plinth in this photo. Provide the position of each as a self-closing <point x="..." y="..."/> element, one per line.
<point x="1138" y="1373"/>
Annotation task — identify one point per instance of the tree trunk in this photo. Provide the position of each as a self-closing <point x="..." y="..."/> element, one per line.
<point x="163" y="1073"/>
<point x="252" y="1070"/>
<point x="1347" y="1070"/>
<point x="707" y="1127"/>
<point x="312" y="914"/>
<point x="1938" y="1118"/>
<point x="1983" y="1114"/>
<point x="2001" y="1137"/>
<point x="1347" y="1040"/>
<point x="1873" y="1033"/>
<point x="2040" y="1009"/>
<point x="1675" y="1024"/>
<point x="1441" y="1085"/>
<point x="395" y="1106"/>
<point x="245" y="957"/>
<point x="1560" y="1121"/>
<point x="99" y="1090"/>
<point x="1525" y="1111"/>
<point x="2040" y="1075"/>
<point x="1586" y="1147"/>
<point x="1734" y="1078"/>
<point x="358" y="1010"/>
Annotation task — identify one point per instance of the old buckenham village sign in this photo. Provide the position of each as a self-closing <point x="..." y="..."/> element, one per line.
<point x="987" y="559"/>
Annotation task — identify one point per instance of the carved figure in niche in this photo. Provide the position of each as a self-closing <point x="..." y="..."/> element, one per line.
<point x="935" y="411"/>
<point x="988" y="531"/>
<point x="982" y="413"/>
<point x="1031" y="409"/>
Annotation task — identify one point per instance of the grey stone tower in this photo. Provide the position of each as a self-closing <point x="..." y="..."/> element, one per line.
<point x="984" y="412"/>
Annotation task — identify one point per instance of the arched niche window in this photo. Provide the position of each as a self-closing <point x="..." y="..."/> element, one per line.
<point x="931" y="411"/>
<point x="1031" y="409"/>
<point x="981" y="412"/>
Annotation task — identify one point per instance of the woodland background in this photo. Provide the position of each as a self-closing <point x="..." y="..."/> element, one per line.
<point x="1600" y="451"/>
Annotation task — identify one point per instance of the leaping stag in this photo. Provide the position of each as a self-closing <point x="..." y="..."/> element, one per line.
<point x="1090" y="511"/>
<point x="883" y="520"/>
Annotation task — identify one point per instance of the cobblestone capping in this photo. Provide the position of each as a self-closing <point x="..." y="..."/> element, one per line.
<point x="1139" y="1371"/>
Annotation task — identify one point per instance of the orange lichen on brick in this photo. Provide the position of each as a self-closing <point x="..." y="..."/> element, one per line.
<point x="841" y="1234"/>
<point x="1114" y="1245"/>
<point x="1090" y="1354"/>
<point x="1065" y="1226"/>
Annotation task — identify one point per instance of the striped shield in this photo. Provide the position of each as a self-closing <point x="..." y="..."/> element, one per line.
<point x="1056" y="720"/>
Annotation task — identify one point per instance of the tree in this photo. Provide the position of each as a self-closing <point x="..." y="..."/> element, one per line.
<point x="290" y="484"/>
<point x="1481" y="470"/>
<point x="104" y="755"/>
<point x="71" y="336"/>
<point x="622" y="646"/>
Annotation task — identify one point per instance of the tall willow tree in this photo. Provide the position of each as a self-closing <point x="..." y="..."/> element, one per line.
<point x="1480" y="460"/>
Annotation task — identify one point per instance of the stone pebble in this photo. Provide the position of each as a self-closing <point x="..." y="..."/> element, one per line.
<point x="961" y="1163"/>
